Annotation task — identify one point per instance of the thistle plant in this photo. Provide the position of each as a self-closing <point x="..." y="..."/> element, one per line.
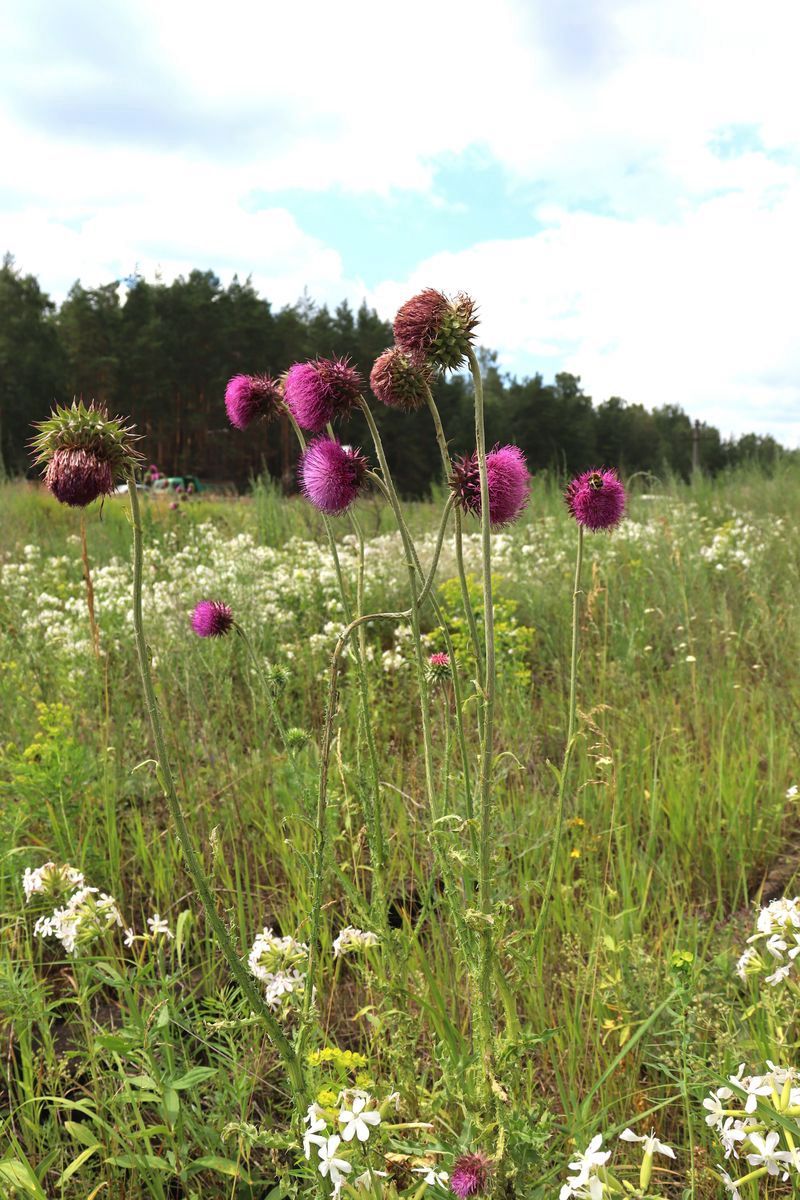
<point x="283" y="976"/>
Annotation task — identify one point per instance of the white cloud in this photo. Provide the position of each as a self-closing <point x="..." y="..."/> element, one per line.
<point x="698" y="312"/>
<point x="137" y="131"/>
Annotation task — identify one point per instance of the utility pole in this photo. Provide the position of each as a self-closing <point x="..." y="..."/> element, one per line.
<point x="696" y="448"/>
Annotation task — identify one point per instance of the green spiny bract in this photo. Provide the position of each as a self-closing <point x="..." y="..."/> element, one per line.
<point x="84" y="452"/>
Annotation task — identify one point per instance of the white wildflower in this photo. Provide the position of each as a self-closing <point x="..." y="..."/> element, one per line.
<point x="159" y="927"/>
<point x="356" y="1121"/>
<point x="351" y="938"/>
<point x="331" y="1166"/>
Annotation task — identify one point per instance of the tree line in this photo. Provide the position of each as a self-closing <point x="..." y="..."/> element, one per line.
<point x="163" y="353"/>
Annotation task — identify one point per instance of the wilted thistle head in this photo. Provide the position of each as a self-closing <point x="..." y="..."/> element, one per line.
<point x="596" y="499"/>
<point x="317" y="392"/>
<point x="507" y="474"/>
<point x="398" y="381"/>
<point x="431" y="328"/>
<point x="331" y="475"/>
<point x="84" y="452"/>
<point x="212" y="618"/>
<point x="438" y="668"/>
<point x="251" y="396"/>
<point x="471" y="1174"/>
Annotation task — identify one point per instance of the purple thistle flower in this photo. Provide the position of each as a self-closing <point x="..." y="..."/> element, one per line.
<point x="508" y="479"/>
<point x="77" y="476"/>
<point x="596" y="499"/>
<point x="212" y="618"/>
<point x="331" y="475"/>
<point x="431" y="328"/>
<point x="438" y="668"/>
<point x="319" y="391"/>
<point x="471" y="1174"/>
<point x="251" y="396"/>
<point x="398" y="381"/>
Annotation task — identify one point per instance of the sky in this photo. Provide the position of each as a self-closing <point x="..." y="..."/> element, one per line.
<point x="616" y="183"/>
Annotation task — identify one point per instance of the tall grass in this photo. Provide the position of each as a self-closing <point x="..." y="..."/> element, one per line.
<point x="125" y="1066"/>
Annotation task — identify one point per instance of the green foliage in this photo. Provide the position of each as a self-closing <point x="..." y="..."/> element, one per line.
<point x="138" y="1070"/>
<point x="513" y="641"/>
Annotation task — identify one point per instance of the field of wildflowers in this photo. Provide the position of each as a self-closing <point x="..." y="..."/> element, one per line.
<point x="491" y="894"/>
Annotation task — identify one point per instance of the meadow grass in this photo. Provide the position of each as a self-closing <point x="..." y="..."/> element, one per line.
<point x="133" y="1069"/>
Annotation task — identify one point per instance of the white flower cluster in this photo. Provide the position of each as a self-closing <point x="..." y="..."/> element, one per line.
<point x="775" y="946"/>
<point x="280" y="964"/>
<point x="351" y="938"/>
<point x="592" y="1178"/>
<point x="51" y="881"/>
<point x="87" y="914"/>
<point x="739" y="1115"/>
<point x="354" y="1122"/>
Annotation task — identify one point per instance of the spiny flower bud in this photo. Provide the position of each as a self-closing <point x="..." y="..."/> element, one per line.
<point x="508" y="479"/>
<point x="431" y="328"/>
<point x="212" y="618"/>
<point x="439" y="668"/>
<point x="251" y="396"/>
<point x="399" y="382"/>
<point x="471" y="1175"/>
<point x="317" y="392"/>
<point x="331" y="475"/>
<point x="84" y="452"/>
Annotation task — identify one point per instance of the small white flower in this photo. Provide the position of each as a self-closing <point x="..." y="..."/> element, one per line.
<point x="714" y="1104"/>
<point x="651" y="1143"/>
<point x="432" y="1176"/>
<point x="779" y="975"/>
<point x="357" y="1122"/>
<point x="158" y="926"/>
<point x="130" y="937"/>
<point x="585" y="1163"/>
<point x="732" y="1185"/>
<point x="316" y="1124"/>
<point x="351" y="938"/>
<point x="792" y="792"/>
<point x="335" y="1168"/>
<point x="767" y="1154"/>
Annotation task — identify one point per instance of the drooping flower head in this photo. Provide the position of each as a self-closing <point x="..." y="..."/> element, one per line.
<point x="508" y="478"/>
<point x="431" y="328"/>
<point x="398" y="381"/>
<point x="85" y="452"/>
<point x="331" y="475"/>
<point x="251" y="396"/>
<point x="596" y="499"/>
<point x="318" y="392"/>
<point x="212" y="618"/>
<point x="471" y="1175"/>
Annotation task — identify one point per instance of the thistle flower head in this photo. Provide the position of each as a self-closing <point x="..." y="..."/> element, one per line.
<point x="439" y="668"/>
<point x="251" y="396"/>
<point x="431" y="328"/>
<point x="400" y="382"/>
<point x="508" y="479"/>
<point x="84" y="452"/>
<point x="212" y="618"/>
<point x="596" y="499"/>
<point x="319" y="391"/>
<point x="331" y="475"/>
<point x="471" y="1174"/>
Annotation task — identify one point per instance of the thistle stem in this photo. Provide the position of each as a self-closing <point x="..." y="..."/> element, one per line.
<point x="371" y="810"/>
<point x="485" y="889"/>
<point x="249" y="989"/>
